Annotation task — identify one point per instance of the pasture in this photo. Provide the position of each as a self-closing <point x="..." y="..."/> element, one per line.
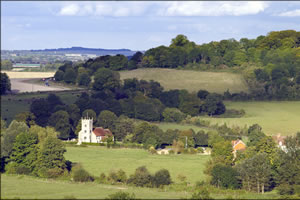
<point x="14" y="74"/>
<point x="100" y="159"/>
<point x="191" y="80"/>
<point x="27" y="187"/>
<point x="273" y="116"/>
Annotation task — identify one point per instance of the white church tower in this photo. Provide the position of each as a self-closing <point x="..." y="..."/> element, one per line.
<point x="85" y="135"/>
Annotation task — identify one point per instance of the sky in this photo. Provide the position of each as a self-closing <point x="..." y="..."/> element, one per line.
<point x="138" y="25"/>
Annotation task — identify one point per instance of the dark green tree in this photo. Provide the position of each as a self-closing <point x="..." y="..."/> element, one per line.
<point x="106" y="79"/>
<point x="162" y="177"/>
<point x="24" y="152"/>
<point x="5" y="83"/>
<point x="225" y="176"/>
<point x="70" y="76"/>
<point x="107" y="119"/>
<point x="60" y="120"/>
<point x="59" y="75"/>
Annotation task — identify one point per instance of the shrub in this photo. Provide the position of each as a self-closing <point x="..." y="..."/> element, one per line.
<point x="141" y="177"/>
<point x="117" y="177"/>
<point x="200" y="184"/>
<point x="202" y="193"/>
<point x="102" y="178"/>
<point x="171" y="152"/>
<point x="193" y="150"/>
<point x="285" y="189"/>
<point x="152" y="150"/>
<point x="173" y="115"/>
<point x="200" y="150"/>
<point x="81" y="175"/>
<point x="54" y="172"/>
<point x="15" y="168"/>
<point x="162" y="177"/>
<point x="121" y="195"/>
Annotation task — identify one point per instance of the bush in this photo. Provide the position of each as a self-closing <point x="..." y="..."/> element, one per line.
<point x="141" y="177"/>
<point x="81" y="175"/>
<point x="121" y="195"/>
<point x="173" y="115"/>
<point x="152" y="150"/>
<point x="200" y="150"/>
<point x="162" y="177"/>
<point x="117" y="177"/>
<point x="202" y="193"/>
<point x="15" y="168"/>
<point x="285" y="189"/>
<point x="193" y="150"/>
<point x="54" y="172"/>
<point x="102" y="178"/>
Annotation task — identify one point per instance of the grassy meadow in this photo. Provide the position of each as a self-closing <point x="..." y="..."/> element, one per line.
<point x="100" y="159"/>
<point x="27" y="187"/>
<point x="273" y="116"/>
<point x="191" y="80"/>
<point x="14" y="74"/>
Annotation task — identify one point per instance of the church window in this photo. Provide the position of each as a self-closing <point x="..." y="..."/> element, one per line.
<point x="85" y="131"/>
<point x="85" y="138"/>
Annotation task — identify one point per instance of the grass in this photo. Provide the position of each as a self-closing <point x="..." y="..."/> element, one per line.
<point x="26" y="187"/>
<point x="100" y="159"/>
<point x="273" y="116"/>
<point x="12" y="74"/>
<point x="191" y="80"/>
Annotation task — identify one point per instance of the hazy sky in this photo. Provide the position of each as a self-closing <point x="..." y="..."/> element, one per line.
<point x="138" y="25"/>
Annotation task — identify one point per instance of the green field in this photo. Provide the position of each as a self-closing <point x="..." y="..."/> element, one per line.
<point x="274" y="116"/>
<point x="100" y="159"/>
<point x="191" y="80"/>
<point x="26" y="187"/>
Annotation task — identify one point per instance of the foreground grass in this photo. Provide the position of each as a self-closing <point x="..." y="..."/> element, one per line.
<point x="191" y="80"/>
<point x="274" y="116"/>
<point x="13" y="74"/>
<point x="27" y="187"/>
<point x="100" y="159"/>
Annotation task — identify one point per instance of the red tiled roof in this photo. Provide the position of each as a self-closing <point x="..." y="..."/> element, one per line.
<point x="99" y="131"/>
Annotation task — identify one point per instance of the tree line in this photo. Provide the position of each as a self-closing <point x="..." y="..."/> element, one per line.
<point x="270" y="64"/>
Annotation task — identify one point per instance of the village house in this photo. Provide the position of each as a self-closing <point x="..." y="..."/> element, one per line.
<point x="237" y="145"/>
<point x="90" y="135"/>
<point x="280" y="141"/>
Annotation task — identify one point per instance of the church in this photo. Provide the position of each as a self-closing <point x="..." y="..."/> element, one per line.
<point x="90" y="135"/>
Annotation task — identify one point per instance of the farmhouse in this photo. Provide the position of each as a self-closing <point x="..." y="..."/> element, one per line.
<point x="279" y="140"/>
<point x="90" y="135"/>
<point x="238" y="145"/>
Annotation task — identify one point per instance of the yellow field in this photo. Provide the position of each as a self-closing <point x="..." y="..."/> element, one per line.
<point x="193" y="81"/>
<point x="29" y="74"/>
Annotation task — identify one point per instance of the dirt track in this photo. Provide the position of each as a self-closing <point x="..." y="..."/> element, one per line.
<point x="19" y="85"/>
